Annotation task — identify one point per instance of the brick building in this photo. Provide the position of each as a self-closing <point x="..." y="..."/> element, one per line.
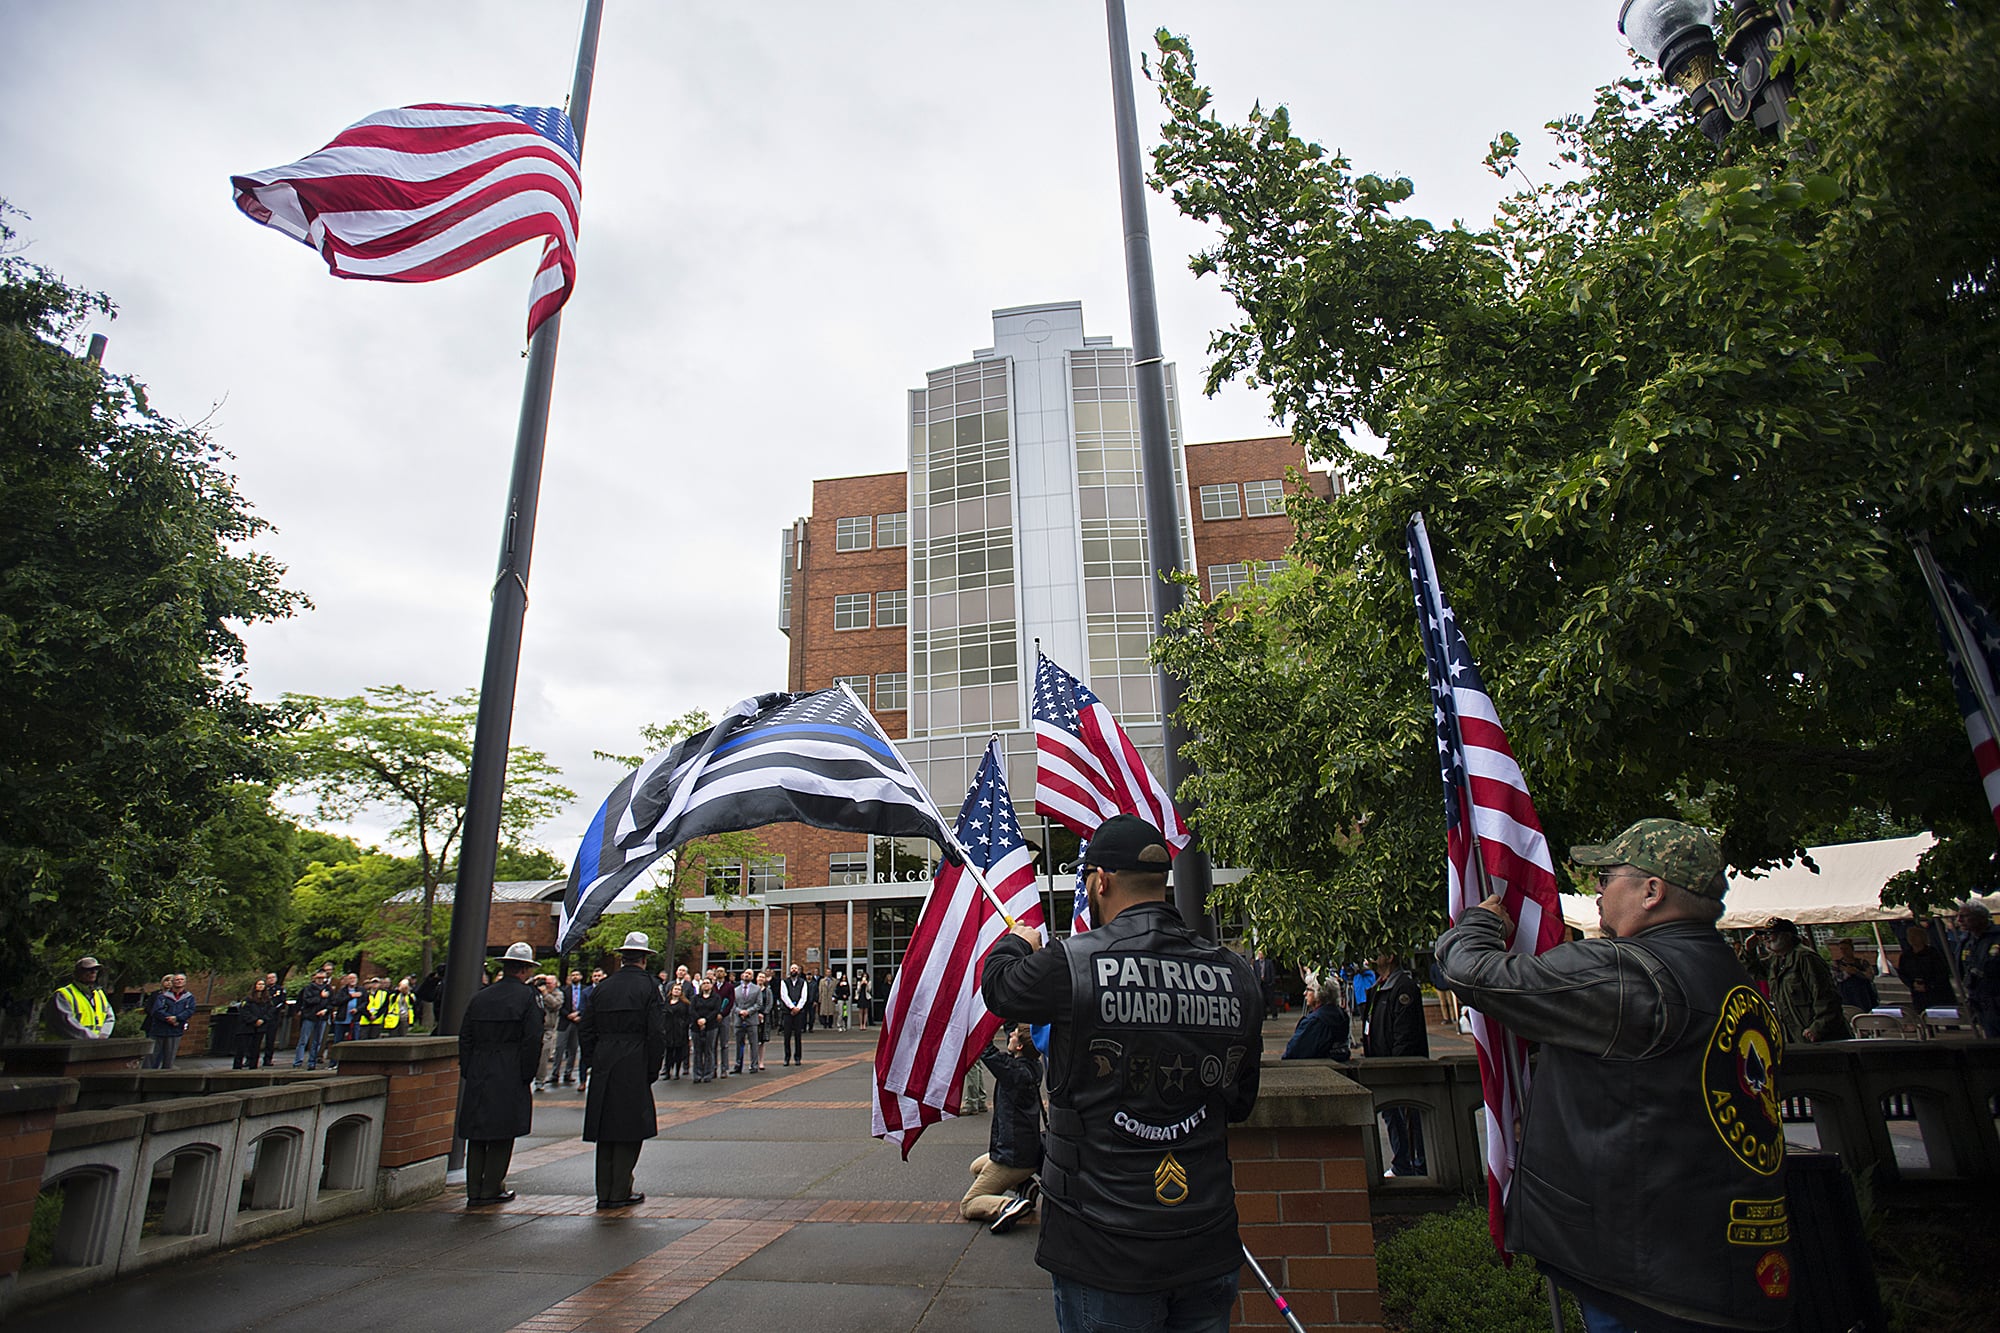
<point x="1018" y="522"/>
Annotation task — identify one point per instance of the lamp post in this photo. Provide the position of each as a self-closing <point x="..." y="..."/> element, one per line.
<point x="1679" y="37"/>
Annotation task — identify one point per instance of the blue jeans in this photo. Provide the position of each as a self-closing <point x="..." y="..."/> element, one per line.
<point x="312" y="1034"/>
<point x="1197" y="1307"/>
<point x="1597" y="1321"/>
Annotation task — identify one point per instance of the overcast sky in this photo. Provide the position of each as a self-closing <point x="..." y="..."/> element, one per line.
<point x="792" y="210"/>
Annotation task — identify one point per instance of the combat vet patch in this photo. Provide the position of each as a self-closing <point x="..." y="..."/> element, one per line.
<point x="1758" y="1222"/>
<point x="1145" y="1131"/>
<point x="1211" y="1070"/>
<point x="1739" y="1081"/>
<point x="1170" y="1183"/>
<point x="1104" y="1056"/>
<point x="1774" y="1275"/>
<point x="1139" y="1072"/>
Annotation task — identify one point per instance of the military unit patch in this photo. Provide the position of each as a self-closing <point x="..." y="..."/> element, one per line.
<point x="1739" y="1080"/>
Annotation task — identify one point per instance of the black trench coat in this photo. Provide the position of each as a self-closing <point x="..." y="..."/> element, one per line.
<point x="499" y="1047"/>
<point x="624" y="1033"/>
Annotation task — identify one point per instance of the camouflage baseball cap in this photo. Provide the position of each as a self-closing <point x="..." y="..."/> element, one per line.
<point x="1678" y="853"/>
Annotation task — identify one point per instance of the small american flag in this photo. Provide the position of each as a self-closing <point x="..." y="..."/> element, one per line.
<point x="1487" y="808"/>
<point x="423" y="192"/>
<point x="1087" y="769"/>
<point x="936" y="1024"/>
<point x="1962" y="621"/>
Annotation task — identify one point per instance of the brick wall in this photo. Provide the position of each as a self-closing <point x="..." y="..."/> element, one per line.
<point x="1232" y="462"/>
<point x="28" y="1109"/>
<point x="1302" y="1199"/>
<point x="819" y="651"/>
<point x="423" y="1092"/>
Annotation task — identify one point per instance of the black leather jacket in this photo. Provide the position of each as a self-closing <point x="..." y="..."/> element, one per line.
<point x="1016" y="1138"/>
<point x="1155" y="1047"/>
<point x="1652" y="1153"/>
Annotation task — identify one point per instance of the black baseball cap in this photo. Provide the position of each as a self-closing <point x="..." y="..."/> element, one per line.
<point x="1127" y="842"/>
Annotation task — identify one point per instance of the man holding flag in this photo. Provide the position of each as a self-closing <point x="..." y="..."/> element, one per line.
<point x="1154" y="1050"/>
<point x="1650" y="1176"/>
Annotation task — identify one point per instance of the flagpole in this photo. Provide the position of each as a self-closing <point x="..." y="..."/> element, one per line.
<point x="479" y="845"/>
<point x="1193" y="876"/>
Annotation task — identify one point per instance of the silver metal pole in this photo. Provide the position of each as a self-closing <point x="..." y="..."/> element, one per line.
<point x="1193" y="876"/>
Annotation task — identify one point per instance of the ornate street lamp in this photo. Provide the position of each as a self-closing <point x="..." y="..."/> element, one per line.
<point x="1679" y="37"/>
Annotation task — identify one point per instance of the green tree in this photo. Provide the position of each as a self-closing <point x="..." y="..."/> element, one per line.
<point x="410" y="752"/>
<point x="341" y="909"/>
<point x="1673" y="422"/>
<point x="125" y="715"/>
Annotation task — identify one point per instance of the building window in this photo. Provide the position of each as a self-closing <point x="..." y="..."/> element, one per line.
<point x="892" y="691"/>
<point x="892" y="529"/>
<point x="859" y="684"/>
<point x="847" y="868"/>
<point x="851" y="534"/>
<point x="1227" y="578"/>
<point x="725" y="878"/>
<point x="1261" y="499"/>
<point x="1262" y="570"/>
<point x="1218" y="501"/>
<point x="850" y="610"/>
<point x="983" y="558"/>
<point x="892" y="608"/>
<point x="767" y="873"/>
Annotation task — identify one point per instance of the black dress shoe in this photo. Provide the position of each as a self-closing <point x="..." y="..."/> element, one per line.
<point x="504" y="1196"/>
<point x="626" y="1202"/>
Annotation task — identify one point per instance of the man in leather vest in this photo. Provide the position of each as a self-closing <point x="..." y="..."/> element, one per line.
<point x="1651" y="1180"/>
<point x="1156" y="1039"/>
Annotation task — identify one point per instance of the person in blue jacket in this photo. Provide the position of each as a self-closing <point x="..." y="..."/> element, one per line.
<point x="1322" y="1033"/>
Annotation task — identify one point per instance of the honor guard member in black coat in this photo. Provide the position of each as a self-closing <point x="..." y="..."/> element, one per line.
<point x="499" y="1050"/>
<point x="1651" y="1179"/>
<point x="624" y="1040"/>
<point x="1157" y="1035"/>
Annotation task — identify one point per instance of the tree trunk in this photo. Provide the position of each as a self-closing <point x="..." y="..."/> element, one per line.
<point x="430" y="945"/>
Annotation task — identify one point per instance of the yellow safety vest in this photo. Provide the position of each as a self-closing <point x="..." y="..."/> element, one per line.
<point x="398" y="1012"/>
<point x="375" y="1009"/>
<point x="93" y="1011"/>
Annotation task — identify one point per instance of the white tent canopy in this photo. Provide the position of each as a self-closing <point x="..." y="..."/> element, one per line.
<point x="1847" y="888"/>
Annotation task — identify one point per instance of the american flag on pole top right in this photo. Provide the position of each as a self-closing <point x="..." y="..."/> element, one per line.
<point x="1486" y="809"/>
<point x="1087" y="769"/>
<point x="422" y="192"/>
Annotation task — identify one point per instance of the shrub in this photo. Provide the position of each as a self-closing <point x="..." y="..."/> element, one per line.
<point x="1440" y="1275"/>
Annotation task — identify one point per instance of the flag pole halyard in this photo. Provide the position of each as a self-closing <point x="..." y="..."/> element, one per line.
<point x="479" y="847"/>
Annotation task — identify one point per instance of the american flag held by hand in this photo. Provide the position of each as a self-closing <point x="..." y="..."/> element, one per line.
<point x="1972" y="646"/>
<point x="1487" y="809"/>
<point x="1087" y="769"/>
<point x="423" y="192"/>
<point x="935" y="1024"/>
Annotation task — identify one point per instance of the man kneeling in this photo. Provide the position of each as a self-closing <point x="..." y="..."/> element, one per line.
<point x="1003" y="1186"/>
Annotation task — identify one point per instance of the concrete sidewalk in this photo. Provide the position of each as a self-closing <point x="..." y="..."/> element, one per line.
<point x="767" y="1203"/>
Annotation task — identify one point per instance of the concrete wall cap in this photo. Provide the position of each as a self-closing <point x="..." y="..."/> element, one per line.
<point x="272" y="1101"/>
<point x="354" y="1088"/>
<point x="1309" y="1094"/>
<point x="396" y="1050"/>
<point x="81" y="1049"/>
<point x="188" y="1112"/>
<point x="20" y="1096"/>
<point x="80" y="1129"/>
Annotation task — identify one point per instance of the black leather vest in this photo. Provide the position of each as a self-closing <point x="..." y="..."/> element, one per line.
<point x="1689" y="1140"/>
<point x="1160" y="1023"/>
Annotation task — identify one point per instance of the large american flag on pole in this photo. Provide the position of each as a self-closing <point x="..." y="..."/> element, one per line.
<point x="1972" y="646"/>
<point x="423" y="192"/>
<point x="936" y="1024"/>
<point x="1087" y="769"/>
<point x="1494" y="845"/>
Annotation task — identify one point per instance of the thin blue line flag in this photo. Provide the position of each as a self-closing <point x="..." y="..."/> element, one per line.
<point x="818" y="759"/>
